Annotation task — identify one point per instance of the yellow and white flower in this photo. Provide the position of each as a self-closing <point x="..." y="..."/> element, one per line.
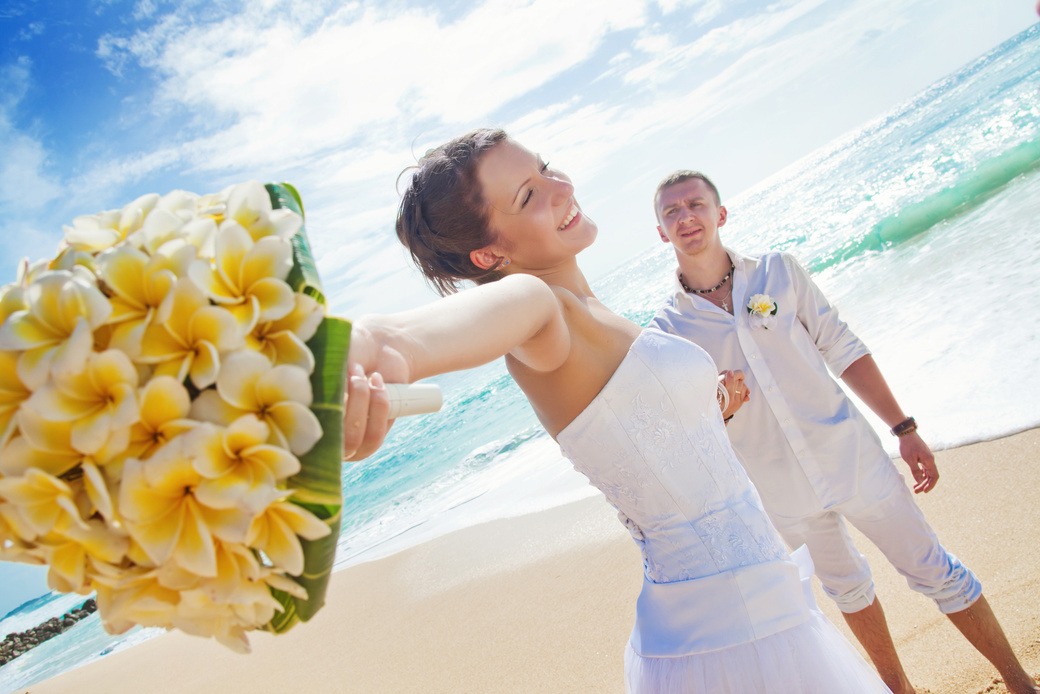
<point x="283" y="341"/>
<point x="158" y="502"/>
<point x="55" y="332"/>
<point x="16" y="537"/>
<point x="762" y="311"/>
<point x="164" y="408"/>
<point x="40" y="444"/>
<point x="73" y="555"/>
<point x="13" y="295"/>
<point x="278" y="395"/>
<point x="139" y="284"/>
<point x="135" y="596"/>
<point x="249" y="205"/>
<point x="247" y="277"/>
<point x="188" y="336"/>
<point x="100" y="402"/>
<point x="45" y="503"/>
<point x="97" y="232"/>
<point x="12" y="394"/>
<point x="239" y="467"/>
<point x="236" y="600"/>
<point x="277" y="531"/>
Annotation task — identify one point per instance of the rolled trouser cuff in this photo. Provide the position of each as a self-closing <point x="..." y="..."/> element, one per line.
<point x="959" y="592"/>
<point x="859" y="598"/>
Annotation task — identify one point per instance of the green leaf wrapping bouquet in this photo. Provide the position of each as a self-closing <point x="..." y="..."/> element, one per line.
<point x="171" y="402"/>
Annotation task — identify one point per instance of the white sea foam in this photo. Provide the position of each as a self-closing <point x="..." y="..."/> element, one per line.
<point x="527" y="479"/>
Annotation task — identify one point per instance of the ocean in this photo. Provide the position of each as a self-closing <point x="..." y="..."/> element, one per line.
<point x="922" y="226"/>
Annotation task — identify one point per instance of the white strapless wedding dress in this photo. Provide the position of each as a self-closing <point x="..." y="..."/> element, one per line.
<point x="723" y="608"/>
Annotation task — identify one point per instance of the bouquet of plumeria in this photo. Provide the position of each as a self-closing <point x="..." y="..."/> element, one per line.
<point x="171" y="401"/>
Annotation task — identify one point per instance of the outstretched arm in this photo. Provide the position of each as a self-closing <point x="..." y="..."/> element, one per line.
<point x="516" y="315"/>
<point x="864" y="378"/>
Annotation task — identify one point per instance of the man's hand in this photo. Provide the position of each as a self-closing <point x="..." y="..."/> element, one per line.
<point x="733" y="382"/>
<point x="919" y="457"/>
<point x="864" y="378"/>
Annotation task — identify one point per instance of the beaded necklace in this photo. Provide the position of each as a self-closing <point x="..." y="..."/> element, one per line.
<point x="682" y="281"/>
<point x="705" y="292"/>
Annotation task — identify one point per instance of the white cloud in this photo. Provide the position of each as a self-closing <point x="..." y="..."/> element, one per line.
<point x="543" y="115"/>
<point x="339" y="102"/>
<point x="25" y="184"/>
<point x="144" y="9"/>
<point x="362" y="74"/>
<point x="653" y="42"/>
<point x="24" y="239"/>
<point x="335" y="103"/>
<point x="749" y="58"/>
<point x="704" y="55"/>
<point x="776" y="59"/>
<point x="703" y="10"/>
<point x="23" y="180"/>
<point x="31" y="30"/>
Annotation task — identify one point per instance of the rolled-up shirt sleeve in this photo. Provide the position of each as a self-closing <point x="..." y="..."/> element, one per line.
<point x="837" y="344"/>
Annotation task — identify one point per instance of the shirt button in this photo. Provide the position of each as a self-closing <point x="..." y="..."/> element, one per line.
<point x="753" y="356"/>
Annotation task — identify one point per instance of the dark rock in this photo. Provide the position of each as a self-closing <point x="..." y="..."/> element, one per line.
<point x="18" y="642"/>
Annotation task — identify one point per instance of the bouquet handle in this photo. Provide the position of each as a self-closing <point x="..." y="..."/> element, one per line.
<point x="415" y="398"/>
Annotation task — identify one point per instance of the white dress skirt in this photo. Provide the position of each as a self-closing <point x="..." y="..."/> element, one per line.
<point x="724" y="608"/>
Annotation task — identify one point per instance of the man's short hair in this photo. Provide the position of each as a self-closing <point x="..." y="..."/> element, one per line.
<point x="677" y="177"/>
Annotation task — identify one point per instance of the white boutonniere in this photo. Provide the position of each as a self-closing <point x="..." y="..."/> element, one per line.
<point x="762" y="311"/>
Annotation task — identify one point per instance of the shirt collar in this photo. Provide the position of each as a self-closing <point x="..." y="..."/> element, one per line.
<point x="681" y="295"/>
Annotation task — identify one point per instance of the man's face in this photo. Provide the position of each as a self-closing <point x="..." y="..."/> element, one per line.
<point x="689" y="217"/>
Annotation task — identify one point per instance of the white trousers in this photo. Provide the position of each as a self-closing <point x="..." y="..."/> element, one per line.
<point x="884" y="510"/>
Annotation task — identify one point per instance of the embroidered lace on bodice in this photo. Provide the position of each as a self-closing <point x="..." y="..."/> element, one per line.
<point x="654" y="443"/>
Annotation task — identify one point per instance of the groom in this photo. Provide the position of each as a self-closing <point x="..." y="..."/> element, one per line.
<point x="813" y="456"/>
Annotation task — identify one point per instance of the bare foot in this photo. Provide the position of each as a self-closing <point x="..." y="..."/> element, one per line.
<point x="1028" y="687"/>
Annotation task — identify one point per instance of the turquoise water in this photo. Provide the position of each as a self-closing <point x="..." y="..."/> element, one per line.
<point x="922" y="226"/>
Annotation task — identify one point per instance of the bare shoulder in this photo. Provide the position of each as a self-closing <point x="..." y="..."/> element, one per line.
<point x="522" y="284"/>
<point x="596" y="342"/>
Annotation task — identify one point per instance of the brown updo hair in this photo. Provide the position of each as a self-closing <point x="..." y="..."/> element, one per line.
<point x="443" y="214"/>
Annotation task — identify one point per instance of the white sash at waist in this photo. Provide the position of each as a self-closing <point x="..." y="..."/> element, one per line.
<point x="714" y="612"/>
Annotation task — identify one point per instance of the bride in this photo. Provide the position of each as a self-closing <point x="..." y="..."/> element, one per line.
<point x="722" y="608"/>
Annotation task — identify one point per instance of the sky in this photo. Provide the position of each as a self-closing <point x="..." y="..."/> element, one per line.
<point x="104" y="100"/>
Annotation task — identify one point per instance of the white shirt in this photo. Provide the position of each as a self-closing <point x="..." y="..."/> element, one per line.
<point x="802" y="441"/>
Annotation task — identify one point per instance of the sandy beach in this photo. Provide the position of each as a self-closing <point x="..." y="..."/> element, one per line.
<point x="544" y="603"/>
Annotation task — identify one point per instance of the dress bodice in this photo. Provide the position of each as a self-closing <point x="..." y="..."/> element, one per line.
<point x="723" y="607"/>
<point x="653" y="441"/>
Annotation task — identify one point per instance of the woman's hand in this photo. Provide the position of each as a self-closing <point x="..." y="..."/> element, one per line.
<point x="370" y="366"/>
<point x="733" y="382"/>
<point x="364" y="414"/>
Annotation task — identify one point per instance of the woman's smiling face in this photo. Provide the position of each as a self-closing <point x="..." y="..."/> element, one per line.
<point x="536" y="221"/>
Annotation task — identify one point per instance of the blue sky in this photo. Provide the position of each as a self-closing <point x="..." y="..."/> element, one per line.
<point x="104" y="100"/>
